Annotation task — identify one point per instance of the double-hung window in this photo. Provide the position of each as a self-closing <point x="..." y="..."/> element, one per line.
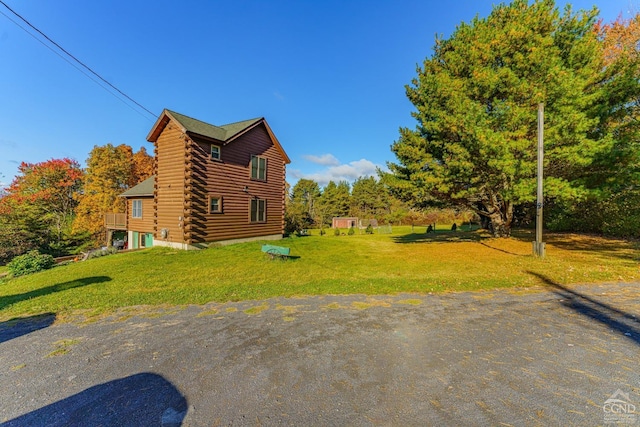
<point x="136" y="211"/>
<point x="258" y="210"/>
<point x="258" y="168"/>
<point x="215" y="204"/>
<point x="215" y="152"/>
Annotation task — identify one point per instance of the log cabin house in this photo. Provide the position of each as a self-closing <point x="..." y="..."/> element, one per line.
<point x="220" y="184"/>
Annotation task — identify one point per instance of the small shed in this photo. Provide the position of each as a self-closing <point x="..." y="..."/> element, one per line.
<point x="344" y="222"/>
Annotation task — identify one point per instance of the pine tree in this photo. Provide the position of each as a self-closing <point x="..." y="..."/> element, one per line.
<point x="476" y="99"/>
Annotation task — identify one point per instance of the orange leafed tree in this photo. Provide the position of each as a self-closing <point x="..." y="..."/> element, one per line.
<point x="142" y="167"/>
<point x="621" y="59"/>
<point x="620" y="39"/>
<point x="111" y="170"/>
<point x="37" y="208"/>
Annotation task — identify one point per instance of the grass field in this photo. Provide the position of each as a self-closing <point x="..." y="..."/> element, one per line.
<point x="364" y="264"/>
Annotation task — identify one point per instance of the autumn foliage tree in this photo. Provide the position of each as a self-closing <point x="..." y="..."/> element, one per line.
<point x="141" y="167"/>
<point x="476" y="99"/>
<point x="38" y="208"/>
<point x="110" y="171"/>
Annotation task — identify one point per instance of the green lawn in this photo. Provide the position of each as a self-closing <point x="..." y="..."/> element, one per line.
<point x="366" y="264"/>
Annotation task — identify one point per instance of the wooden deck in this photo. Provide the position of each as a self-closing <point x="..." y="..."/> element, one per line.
<point x="115" y="221"/>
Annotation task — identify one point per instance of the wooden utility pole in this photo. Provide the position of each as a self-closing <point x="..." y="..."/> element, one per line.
<point x="538" y="245"/>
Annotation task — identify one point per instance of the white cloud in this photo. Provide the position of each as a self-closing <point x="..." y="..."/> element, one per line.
<point x="339" y="172"/>
<point x="324" y="159"/>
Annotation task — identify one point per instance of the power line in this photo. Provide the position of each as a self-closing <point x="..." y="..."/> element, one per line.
<point x="71" y="56"/>
<point x="74" y="66"/>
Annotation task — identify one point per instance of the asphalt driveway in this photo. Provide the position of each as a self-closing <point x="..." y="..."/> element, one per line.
<point x="552" y="356"/>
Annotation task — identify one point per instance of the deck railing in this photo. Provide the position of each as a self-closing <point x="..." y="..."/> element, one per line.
<point x="115" y="220"/>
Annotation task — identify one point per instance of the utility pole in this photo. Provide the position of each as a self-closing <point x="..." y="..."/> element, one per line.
<point x="538" y="245"/>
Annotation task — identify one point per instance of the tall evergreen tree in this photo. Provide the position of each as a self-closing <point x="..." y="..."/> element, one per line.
<point x="476" y="99"/>
<point x="336" y="199"/>
<point x="369" y="198"/>
<point x="305" y="198"/>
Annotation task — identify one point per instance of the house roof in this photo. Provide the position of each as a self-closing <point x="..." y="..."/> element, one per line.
<point x="145" y="188"/>
<point x="224" y="134"/>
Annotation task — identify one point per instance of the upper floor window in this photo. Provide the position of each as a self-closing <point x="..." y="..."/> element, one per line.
<point x="215" y="152"/>
<point x="136" y="211"/>
<point x="258" y="168"/>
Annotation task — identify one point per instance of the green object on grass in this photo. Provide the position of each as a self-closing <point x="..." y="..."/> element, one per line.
<point x="275" y="251"/>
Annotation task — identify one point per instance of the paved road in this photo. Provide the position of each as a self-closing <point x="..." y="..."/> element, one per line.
<point x="549" y="357"/>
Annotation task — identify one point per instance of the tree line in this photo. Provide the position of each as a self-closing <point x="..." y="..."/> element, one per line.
<point x="310" y="206"/>
<point x="57" y="207"/>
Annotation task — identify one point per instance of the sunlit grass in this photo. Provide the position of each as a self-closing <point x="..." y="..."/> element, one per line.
<point x="363" y="264"/>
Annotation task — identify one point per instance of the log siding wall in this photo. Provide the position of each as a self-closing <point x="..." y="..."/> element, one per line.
<point x="186" y="176"/>
<point x="146" y="223"/>
<point x="228" y="178"/>
<point x="169" y="187"/>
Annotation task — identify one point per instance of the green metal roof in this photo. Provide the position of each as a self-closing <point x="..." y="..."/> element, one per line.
<point x="221" y="133"/>
<point x="224" y="134"/>
<point x="145" y="188"/>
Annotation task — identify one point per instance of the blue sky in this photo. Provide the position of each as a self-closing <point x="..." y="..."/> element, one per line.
<point x="328" y="76"/>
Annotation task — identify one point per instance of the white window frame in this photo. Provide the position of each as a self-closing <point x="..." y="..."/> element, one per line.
<point x="218" y="150"/>
<point x="136" y="212"/>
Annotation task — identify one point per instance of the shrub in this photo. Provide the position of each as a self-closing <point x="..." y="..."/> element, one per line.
<point x="351" y="231"/>
<point x="369" y="229"/>
<point x="336" y="232"/>
<point x="102" y="252"/>
<point x="31" y="262"/>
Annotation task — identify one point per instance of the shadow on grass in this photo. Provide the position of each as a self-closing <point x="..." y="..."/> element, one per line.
<point x="607" y="247"/>
<point x="500" y="250"/>
<point x="144" y="399"/>
<point x="620" y="321"/>
<point x="18" y="327"/>
<point x="282" y="258"/>
<point x="441" y="236"/>
<point x="6" y="301"/>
